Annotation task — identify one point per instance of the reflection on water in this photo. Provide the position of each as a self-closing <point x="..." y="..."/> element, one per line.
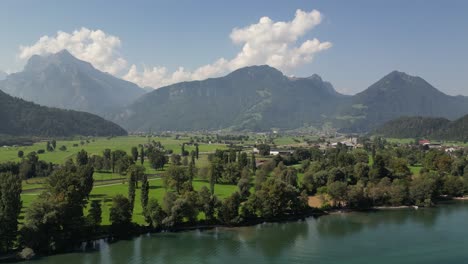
<point x="435" y="235"/>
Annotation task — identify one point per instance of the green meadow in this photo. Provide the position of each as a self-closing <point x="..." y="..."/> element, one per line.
<point x="96" y="146"/>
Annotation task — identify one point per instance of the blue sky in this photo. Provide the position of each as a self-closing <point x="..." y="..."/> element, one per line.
<point x="368" y="38"/>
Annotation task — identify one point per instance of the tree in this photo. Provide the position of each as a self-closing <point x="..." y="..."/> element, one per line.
<point x="154" y="214"/>
<point x="192" y="170"/>
<point x="133" y="173"/>
<point x="216" y="170"/>
<point x="82" y="158"/>
<point x="122" y="164"/>
<point x="142" y="155"/>
<point x="453" y="186"/>
<point x="263" y="149"/>
<point x="398" y="192"/>
<point x="20" y="154"/>
<point x="356" y="197"/>
<point x="260" y="178"/>
<point x="244" y="188"/>
<point x="175" y="177"/>
<point x="134" y="152"/>
<point x="42" y="226"/>
<point x="277" y="198"/>
<point x="144" y="192"/>
<point x="337" y="191"/>
<point x="49" y="147"/>
<point x="120" y="212"/>
<point x="185" y="161"/>
<point x="10" y="209"/>
<point x="253" y="163"/>
<point x="196" y="151"/>
<point x="176" y="159"/>
<point x="63" y="148"/>
<point x="209" y="203"/>
<point x="308" y="182"/>
<point x="229" y="210"/>
<point x="231" y="173"/>
<point x="56" y="219"/>
<point x="54" y="143"/>
<point x="94" y="216"/>
<point x="423" y="190"/>
<point x="361" y="171"/>
<point x="399" y="168"/>
<point x="157" y="159"/>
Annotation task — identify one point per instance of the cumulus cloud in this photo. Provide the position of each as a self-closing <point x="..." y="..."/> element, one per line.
<point x="265" y="42"/>
<point x="94" y="46"/>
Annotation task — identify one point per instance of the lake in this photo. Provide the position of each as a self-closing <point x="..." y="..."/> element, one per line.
<point x="433" y="235"/>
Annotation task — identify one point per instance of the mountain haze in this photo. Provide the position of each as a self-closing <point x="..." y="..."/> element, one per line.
<point x="61" y="80"/>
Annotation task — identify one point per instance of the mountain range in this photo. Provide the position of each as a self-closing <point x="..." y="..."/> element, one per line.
<point x="61" y="80"/>
<point x="255" y="98"/>
<point x="22" y="118"/>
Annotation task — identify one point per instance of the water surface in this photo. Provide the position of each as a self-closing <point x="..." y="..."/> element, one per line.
<point x="435" y="235"/>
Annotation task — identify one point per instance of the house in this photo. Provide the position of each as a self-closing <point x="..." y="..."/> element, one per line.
<point x="424" y="141"/>
<point x="275" y="152"/>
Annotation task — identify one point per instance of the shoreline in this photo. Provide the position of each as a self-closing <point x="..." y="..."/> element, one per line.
<point x="139" y="230"/>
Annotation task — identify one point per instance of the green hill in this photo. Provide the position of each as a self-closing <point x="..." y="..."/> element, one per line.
<point x="426" y="127"/>
<point x="22" y="118"/>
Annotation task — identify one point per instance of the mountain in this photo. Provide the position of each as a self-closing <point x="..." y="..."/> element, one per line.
<point x="425" y="127"/>
<point x="3" y="75"/>
<point x="395" y="95"/>
<point x="252" y="98"/>
<point x="22" y="118"/>
<point x="61" y="80"/>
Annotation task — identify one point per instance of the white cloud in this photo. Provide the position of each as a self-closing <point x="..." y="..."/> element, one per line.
<point x="265" y="42"/>
<point x="94" y="46"/>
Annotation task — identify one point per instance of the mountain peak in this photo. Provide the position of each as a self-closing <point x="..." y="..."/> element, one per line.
<point x="64" y="54"/>
<point x="61" y="80"/>
<point x="257" y="71"/>
<point x="399" y="75"/>
<point x="62" y="57"/>
<point x="315" y="77"/>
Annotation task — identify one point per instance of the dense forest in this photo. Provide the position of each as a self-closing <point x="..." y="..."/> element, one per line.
<point x="379" y="174"/>
<point x="22" y="118"/>
<point x="425" y="127"/>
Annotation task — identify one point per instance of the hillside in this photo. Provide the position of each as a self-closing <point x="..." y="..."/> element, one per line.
<point x="425" y="127"/>
<point x="22" y="118"/>
<point x="61" y="80"/>
<point x="412" y="127"/>
<point x="395" y="95"/>
<point x="254" y="98"/>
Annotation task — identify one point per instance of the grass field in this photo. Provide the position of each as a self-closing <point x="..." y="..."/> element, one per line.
<point x="98" y="145"/>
